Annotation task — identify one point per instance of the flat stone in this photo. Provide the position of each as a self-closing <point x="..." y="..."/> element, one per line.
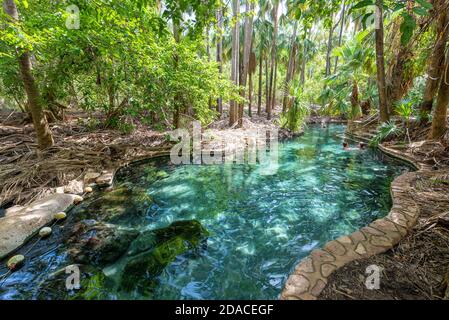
<point x="74" y="187"/>
<point x="398" y="218"/>
<point x="358" y="236"/>
<point x="384" y="225"/>
<point x="296" y="285"/>
<point x="318" y="288"/>
<point x="335" y="248"/>
<point x="360" y="249"/>
<point x="345" y="240"/>
<point x="372" y="231"/>
<point x="306" y="266"/>
<point x="381" y="241"/>
<point x="327" y="269"/>
<point x="17" y="229"/>
<point x="319" y="256"/>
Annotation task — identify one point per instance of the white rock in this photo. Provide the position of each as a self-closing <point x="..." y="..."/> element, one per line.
<point x="15" y="262"/>
<point x="88" y="190"/>
<point x="74" y="187"/>
<point x="60" y="216"/>
<point x="78" y="199"/>
<point x="45" y="232"/>
<point x="90" y="177"/>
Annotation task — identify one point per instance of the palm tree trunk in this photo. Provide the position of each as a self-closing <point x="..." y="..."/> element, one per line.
<point x="35" y="104"/>
<point x="220" y="52"/>
<point x="329" y="50"/>
<point x="235" y="60"/>
<point x="273" y="59"/>
<point x="340" y="37"/>
<point x="259" y="101"/>
<point x="380" y="60"/>
<point x="248" y="34"/>
<point x="291" y="64"/>
<point x="436" y="63"/>
<point x="440" y="113"/>
<point x="304" y="61"/>
<point x="267" y="84"/>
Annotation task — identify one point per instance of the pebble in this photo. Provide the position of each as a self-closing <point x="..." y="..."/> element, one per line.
<point x="88" y="190"/>
<point x="45" y="232"/>
<point x="78" y="199"/>
<point x="15" y="262"/>
<point x="60" y="216"/>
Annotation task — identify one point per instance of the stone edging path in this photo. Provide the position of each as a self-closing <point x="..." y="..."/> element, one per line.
<point x="310" y="277"/>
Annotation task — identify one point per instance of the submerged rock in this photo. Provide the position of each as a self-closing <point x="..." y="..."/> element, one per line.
<point x="99" y="243"/>
<point x="125" y="202"/>
<point x="45" y="232"/>
<point x="150" y="253"/>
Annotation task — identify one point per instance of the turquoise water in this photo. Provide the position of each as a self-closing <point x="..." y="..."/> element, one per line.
<point x="242" y="232"/>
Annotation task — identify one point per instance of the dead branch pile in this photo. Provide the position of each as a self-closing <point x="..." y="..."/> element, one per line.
<point x="27" y="174"/>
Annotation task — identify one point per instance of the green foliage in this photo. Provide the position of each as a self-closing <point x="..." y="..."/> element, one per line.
<point x="386" y="130"/>
<point x="296" y="116"/>
<point x="123" y="60"/>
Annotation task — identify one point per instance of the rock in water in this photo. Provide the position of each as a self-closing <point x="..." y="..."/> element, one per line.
<point x="78" y="199"/>
<point x="99" y="243"/>
<point x="162" y="175"/>
<point x="60" y="216"/>
<point x="88" y="190"/>
<point x="15" y="262"/>
<point x="45" y="232"/>
<point x="150" y="254"/>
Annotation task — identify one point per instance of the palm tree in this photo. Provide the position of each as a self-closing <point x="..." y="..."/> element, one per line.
<point x="233" y="113"/>
<point x="380" y="59"/>
<point x="272" y="88"/>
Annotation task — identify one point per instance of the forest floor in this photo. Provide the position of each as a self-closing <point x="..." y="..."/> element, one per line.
<point x="416" y="269"/>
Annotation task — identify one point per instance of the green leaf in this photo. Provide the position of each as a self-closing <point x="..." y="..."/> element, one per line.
<point x="420" y="11"/>
<point x="362" y="4"/>
<point x="425" y="4"/>
<point x="407" y="28"/>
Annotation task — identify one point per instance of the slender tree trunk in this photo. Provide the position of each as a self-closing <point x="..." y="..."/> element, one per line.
<point x="340" y="37"/>
<point x="248" y="34"/>
<point x="436" y="63"/>
<point x="304" y="62"/>
<point x="291" y="64"/>
<point x="177" y="102"/>
<point x="233" y="114"/>
<point x="259" y="101"/>
<point x="35" y="104"/>
<point x="220" y="52"/>
<point x="273" y="59"/>
<point x="250" y="94"/>
<point x="380" y="60"/>
<point x="267" y="84"/>
<point x="439" y="121"/>
<point x="273" y="101"/>
<point x="329" y="49"/>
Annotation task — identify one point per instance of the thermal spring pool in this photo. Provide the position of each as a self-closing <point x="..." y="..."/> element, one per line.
<point x="210" y="232"/>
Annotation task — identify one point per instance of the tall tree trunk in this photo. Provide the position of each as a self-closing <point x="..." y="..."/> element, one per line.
<point x="439" y="121"/>
<point x="304" y="61"/>
<point x="273" y="58"/>
<point x="436" y="63"/>
<point x="259" y="101"/>
<point x="291" y="64"/>
<point x="35" y="104"/>
<point x="267" y="84"/>
<point x="220" y="51"/>
<point x="177" y="102"/>
<point x="329" y="49"/>
<point x="233" y="114"/>
<point x="248" y="35"/>
<point x="250" y="94"/>
<point x="273" y="97"/>
<point x="340" y="37"/>
<point x="380" y="60"/>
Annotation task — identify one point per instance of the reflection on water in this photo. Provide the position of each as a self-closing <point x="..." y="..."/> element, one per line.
<point x="224" y="231"/>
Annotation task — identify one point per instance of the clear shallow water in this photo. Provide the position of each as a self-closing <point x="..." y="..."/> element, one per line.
<point x="258" y="227"/>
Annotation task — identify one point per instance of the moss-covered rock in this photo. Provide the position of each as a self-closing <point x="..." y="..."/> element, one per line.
<point x="150" y="253"/>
